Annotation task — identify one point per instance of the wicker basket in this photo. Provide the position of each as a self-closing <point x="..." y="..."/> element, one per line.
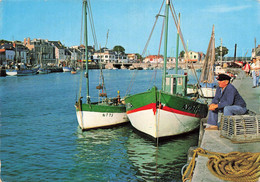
<point x="240" y="128"/>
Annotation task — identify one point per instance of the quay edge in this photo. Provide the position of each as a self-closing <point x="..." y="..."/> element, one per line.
<point x="211" y="140"/>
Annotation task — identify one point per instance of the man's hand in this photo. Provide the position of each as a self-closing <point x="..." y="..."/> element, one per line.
<point x="212" y="107"/>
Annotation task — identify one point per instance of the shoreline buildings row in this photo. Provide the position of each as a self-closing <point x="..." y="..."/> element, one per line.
<point x="45" y="52"/>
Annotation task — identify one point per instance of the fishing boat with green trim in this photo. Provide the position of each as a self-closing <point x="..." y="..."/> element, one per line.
<point x="169" y="111"/>
<point x="106" y="112"/>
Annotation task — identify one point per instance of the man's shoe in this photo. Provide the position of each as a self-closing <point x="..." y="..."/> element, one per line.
<point x="212" y="128"/>
<point x="254" y="87"/>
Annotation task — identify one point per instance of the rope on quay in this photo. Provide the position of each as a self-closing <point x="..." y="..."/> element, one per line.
<point x="233" y="166"/>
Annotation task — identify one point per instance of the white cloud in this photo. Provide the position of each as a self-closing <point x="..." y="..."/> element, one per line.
<point x="226" y="9"/>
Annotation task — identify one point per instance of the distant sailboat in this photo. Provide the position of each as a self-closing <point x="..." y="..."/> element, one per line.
<point x="207" y="81"/>
<point x="42" y="70"/>
<point x="105" y="113"/>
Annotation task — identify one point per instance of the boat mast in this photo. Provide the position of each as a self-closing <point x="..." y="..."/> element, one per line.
<point x="165" y="43"/>
<point x="86" y="49"/>
<point x="177" y="47"/>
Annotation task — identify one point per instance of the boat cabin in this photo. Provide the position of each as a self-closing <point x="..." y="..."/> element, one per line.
<point x="176" y="84"/>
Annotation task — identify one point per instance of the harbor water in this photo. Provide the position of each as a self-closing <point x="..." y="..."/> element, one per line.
<point x="41" y="141"/>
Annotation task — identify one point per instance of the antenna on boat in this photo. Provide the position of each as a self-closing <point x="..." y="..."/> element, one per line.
<point x="107" y="38"/>
<point x="177" y="46"/>
<point x="85" y="3"/>
<point x="165" y="43"/>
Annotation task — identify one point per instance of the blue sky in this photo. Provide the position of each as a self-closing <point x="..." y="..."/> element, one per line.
<point x="130" y="22"/>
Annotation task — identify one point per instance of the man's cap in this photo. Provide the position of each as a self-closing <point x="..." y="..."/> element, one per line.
<point x="222" y="77"/>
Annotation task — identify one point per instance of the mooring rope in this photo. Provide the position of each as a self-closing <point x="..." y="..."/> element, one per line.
<point x="233" y="166"/>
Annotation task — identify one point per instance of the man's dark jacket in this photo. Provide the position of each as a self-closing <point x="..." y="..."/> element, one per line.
<point x="229" y="97"/>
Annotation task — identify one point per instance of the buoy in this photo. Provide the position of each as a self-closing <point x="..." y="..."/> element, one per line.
<point x="99" y="87"/>
<point x="102" y="95"/>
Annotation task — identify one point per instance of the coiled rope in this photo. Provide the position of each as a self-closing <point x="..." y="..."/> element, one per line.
<point x="233" y="166"/>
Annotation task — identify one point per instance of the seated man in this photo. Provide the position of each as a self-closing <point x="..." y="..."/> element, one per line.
<point x="227" y="100"/>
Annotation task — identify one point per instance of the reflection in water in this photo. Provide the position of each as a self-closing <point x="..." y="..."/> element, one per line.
<point x="120" y="154"/>
<point x="102" y="155"/>
<point x="162" y="163"/>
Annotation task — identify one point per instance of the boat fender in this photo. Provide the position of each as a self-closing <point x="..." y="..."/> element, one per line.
<point x="99" y="87"/>
<point x="102" y="95"/>
<point x="159" y="105"/>
<point x="118" y="97"/>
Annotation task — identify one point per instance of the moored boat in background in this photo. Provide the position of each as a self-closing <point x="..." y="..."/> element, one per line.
<point x="21" y="70"/>
<point x="66" y="69"/>
<point x="208" y="83"/>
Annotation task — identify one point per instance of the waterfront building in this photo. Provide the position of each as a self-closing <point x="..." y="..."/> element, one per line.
<point x="21" y="53"/>
<point x="7" y="54"/>
<point x="59" y="51"/>
<point x="14" y="52"/>
<point x="132" y="57"/>
<point x="41" y="51"/>
<point x="153" y="59"/>
<point x="104" y="55"/>
<point x="193" y="56"/>
<point x="171" y="59"/>
<point x="75" y="55"/>
<point x="121" y="58"/>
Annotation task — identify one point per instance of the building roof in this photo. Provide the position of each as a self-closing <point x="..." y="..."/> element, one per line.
<point x="154" y="56"/>
<point x="57" y="44"/>
<point x="7" y="46"/>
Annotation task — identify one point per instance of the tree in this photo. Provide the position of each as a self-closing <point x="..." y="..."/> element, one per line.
<point x="182" y="53"/>
<point x="224" y="51"/>
<point x="119" y="49"/>
<point x="139" y="57"/>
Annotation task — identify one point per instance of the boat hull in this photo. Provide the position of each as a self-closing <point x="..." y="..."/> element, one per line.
<point x="97" y="116"/>
<point x="161" y="114"/>
<point x="66" y="69"/>
<point x="207" y="92"/>
<point x="20" y="72"/>
<point x="44" y="71"/>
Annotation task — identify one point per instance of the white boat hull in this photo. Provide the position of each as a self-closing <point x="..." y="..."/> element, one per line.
<point x="11" y="73"/>
<point x="66" y="69"/>
<point x="89" y="120"/>
<point x="207" y="92"/>
<point x="162" y="123"/>
<point x="20" y="72"/>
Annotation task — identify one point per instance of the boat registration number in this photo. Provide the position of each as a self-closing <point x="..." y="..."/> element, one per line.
<point x="107" y="114"/>
<point x="191" y="108"/>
